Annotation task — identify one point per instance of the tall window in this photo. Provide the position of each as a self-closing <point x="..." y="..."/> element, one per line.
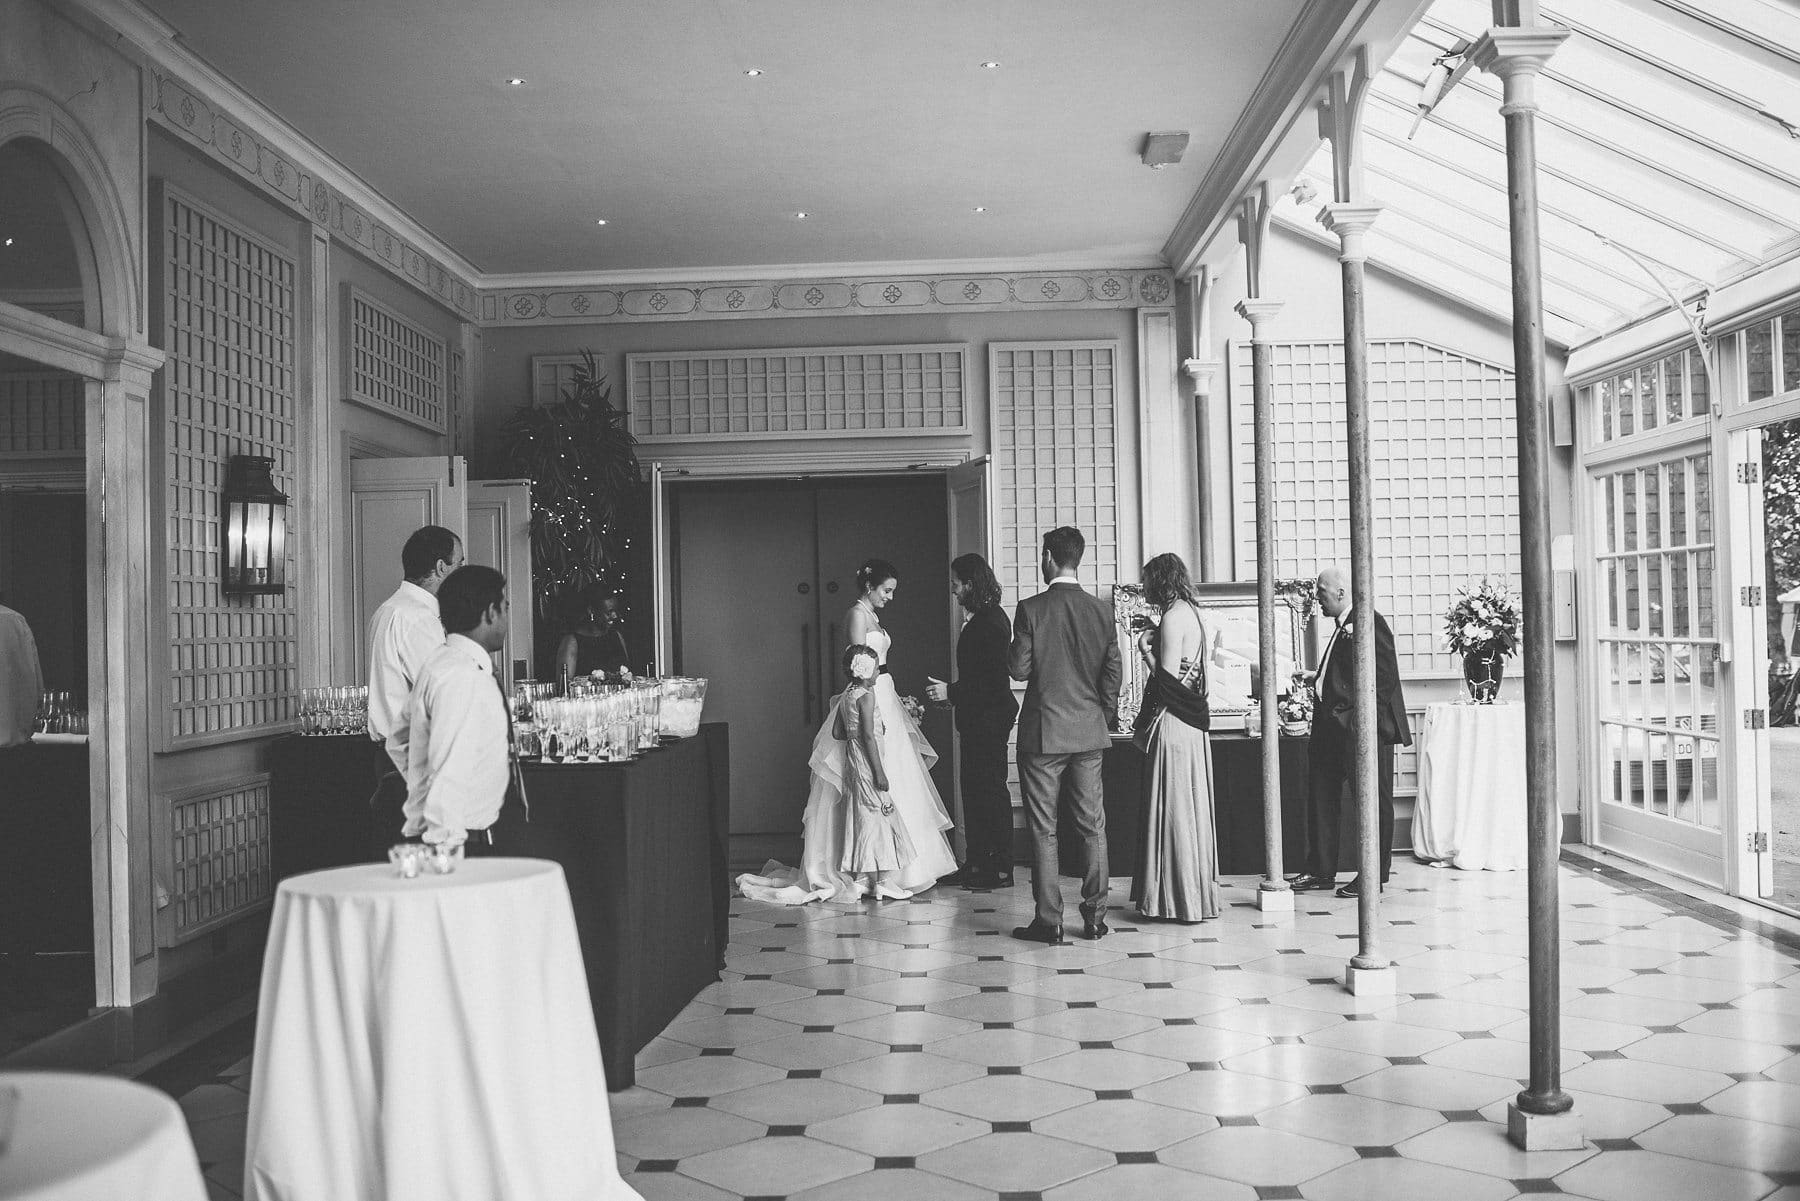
<point x="1659" y="642"/>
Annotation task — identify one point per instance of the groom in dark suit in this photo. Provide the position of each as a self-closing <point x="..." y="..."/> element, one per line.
<point x="1331" y="804"/>
<point x="1065" y="650"/>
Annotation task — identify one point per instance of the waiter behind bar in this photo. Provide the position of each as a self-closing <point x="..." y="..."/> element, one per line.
<point x="458" y="759"/>
<point x="403" y="634"/>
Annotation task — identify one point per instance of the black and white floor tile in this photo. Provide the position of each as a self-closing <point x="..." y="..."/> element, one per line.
<point x="914" y="1050"/>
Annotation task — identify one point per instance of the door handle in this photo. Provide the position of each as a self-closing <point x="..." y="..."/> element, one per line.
<point x="806" y="674"/>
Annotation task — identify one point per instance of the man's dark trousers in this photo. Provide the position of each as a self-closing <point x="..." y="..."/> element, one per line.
<point x="1331" y="819"/>
<point x="987" y="803"/>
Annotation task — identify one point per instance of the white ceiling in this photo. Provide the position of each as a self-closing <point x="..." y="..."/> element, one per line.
<point x="874" y="117"/>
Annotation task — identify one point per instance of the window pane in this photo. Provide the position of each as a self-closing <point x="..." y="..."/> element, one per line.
<point x="1628" y="517"/>
<point x="1627" y="391"/>
<point x="1653" y="498"/>
<point x="1650" y="396"/>
<point x="1630" y="600"/>
<point x="1759" y="356"/>
<point x="1604" y="392"/>
<point x="1679" y="611"/>
<point x="1654" y="604"/>
<point x="1790" y="351"/>
<point x="1703" y="522"/>
<point x="1609" y="486"/>
<point x="1610" y="582"/>
<point x="1676" y="475"/>
<point x="1699" y="395"/>
<point x="1703" y="594"/>
<point x="1673" y="400"/>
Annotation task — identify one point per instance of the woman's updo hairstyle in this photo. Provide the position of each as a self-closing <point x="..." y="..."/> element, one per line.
<point x="873" y="574"/>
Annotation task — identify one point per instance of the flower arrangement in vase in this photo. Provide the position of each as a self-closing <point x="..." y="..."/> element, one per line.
<point x="1483" y="627"/>
<point x="1296" y="705"/>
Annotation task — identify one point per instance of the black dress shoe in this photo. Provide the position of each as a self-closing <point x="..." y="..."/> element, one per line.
<point x="1311" y="883"/>
<point x="1095" y="929"/>
<point x="1049" y="935"/>
<point x="959" y="876"/>
<point x="1354" y="889"/>
<point x="979" y="879"/>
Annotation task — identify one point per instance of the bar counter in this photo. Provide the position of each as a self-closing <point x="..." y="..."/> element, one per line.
<point x="642" y="845"/>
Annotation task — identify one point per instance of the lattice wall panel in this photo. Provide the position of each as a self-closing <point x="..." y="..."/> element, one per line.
<point x="804" y="393"/>
<point x="1054" y="412"/>
<point x="228" y="325"/>
<point x="42" y="413"/>
<point x="553" y="376"/>
<point x="396" y="365"/>
<point x="220" y="840"/>
<point x="1445" y="478"/>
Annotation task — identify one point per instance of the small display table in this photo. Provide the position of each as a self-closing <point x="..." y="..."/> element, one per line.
<point x="1470" y="811"/>
<point x="427" y="1038"/>
<point x="95" y="1138"/>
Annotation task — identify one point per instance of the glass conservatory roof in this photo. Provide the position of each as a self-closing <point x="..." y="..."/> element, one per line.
<point x="1668" y="151"/>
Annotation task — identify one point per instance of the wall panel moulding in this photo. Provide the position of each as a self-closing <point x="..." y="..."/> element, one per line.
<point x="183" y="110"/>
<point x="841" y="297"/>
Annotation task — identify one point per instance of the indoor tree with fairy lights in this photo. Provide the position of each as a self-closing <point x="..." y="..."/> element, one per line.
<point x="585" y="483"/>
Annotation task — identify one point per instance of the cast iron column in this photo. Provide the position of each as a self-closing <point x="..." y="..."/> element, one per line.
<point x="1350" y="222"/>
<point x="1273" y="892"/>
<point x="1517" y="55"/>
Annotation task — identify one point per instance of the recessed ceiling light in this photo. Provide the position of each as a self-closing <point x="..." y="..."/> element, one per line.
<point x="799" y="216"/>
<point x="981" y="208"/>
<point x="990" y="65"/>
<point x="753" y="72"/>
<point x="9" y="241"/>
<point x="600" y="221"/>
<point x="515" y="82"/>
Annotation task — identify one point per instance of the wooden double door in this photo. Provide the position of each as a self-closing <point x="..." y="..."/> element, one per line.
<point x="764" y="574"/>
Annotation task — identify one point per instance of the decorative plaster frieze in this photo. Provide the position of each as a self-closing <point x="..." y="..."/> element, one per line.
<point x="1123" y="289"/>
<point x="182" y="109"/>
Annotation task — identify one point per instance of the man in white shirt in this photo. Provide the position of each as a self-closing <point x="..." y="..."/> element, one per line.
<point x="458" y="761"/>
<point x="403" y="634"/>
<point x="21" y="679"/>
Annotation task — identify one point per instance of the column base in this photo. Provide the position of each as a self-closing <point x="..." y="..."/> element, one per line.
<point x="1275" y="900"/>
<point x="1371" y="981"/>
<point x="1543" y="1131"/>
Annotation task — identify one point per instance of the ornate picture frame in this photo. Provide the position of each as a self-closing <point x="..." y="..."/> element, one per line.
<point x="1228" y="611"/>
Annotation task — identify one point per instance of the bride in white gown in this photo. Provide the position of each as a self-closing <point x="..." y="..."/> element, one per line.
<point x="907" y="757"/>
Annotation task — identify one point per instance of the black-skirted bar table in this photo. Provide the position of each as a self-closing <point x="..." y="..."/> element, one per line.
<point x="641" y="844"/>
<point x="1237" y="806"/>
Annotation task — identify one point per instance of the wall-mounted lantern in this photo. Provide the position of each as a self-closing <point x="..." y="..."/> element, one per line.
<point x="255" y="525"/>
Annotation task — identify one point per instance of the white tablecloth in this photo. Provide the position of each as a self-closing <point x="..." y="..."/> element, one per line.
<point x="1471" y="807"/>
<point x="96" y="1138"/>
<point x="427" y="1040"/>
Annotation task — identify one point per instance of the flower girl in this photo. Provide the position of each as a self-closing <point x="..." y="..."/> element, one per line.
<point x="876" y="845"/>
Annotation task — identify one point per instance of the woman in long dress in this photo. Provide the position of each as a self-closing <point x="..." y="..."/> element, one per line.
<point x="907" y="758"/>
<point x="1179" y="876"/>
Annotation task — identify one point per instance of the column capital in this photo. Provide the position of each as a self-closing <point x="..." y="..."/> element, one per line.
<point x="1517" y="55"/>
<point x="1202" y="372"/>
<point x="1350" y="222"/>
<point x="1258" y="312"/>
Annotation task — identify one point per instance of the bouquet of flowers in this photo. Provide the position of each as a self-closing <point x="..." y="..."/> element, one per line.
<point x="913" y="708"/>
<point x="1484" y="619"/>
<point x="1296" y="704"/>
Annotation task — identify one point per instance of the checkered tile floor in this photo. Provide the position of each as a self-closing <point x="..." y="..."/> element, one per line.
<point x="913" y="1050"/>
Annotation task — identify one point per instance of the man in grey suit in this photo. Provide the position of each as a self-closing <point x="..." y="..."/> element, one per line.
<point x="1065" y="650"/>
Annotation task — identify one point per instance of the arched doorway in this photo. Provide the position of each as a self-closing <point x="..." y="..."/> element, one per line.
<point x="71" y="334"/>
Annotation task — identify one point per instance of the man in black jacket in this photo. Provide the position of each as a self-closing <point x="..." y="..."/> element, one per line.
<point x="985" y="710"/>
<point x="1331" y="805"/>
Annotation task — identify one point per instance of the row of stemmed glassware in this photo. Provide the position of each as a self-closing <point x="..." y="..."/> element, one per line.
<point x="607" y="726"/>
<point x="343" y="709"/>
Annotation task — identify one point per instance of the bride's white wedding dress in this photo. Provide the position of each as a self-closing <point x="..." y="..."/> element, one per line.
<point x="907" y="758"/>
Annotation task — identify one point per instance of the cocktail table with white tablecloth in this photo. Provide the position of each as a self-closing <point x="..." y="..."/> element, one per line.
<point x="94" y="1138"/>
<point x="1470" y="811"/>
<point x="427" y="1039"/>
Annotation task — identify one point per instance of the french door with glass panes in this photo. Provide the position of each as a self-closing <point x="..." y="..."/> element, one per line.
<point x="1659" y="701"/>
